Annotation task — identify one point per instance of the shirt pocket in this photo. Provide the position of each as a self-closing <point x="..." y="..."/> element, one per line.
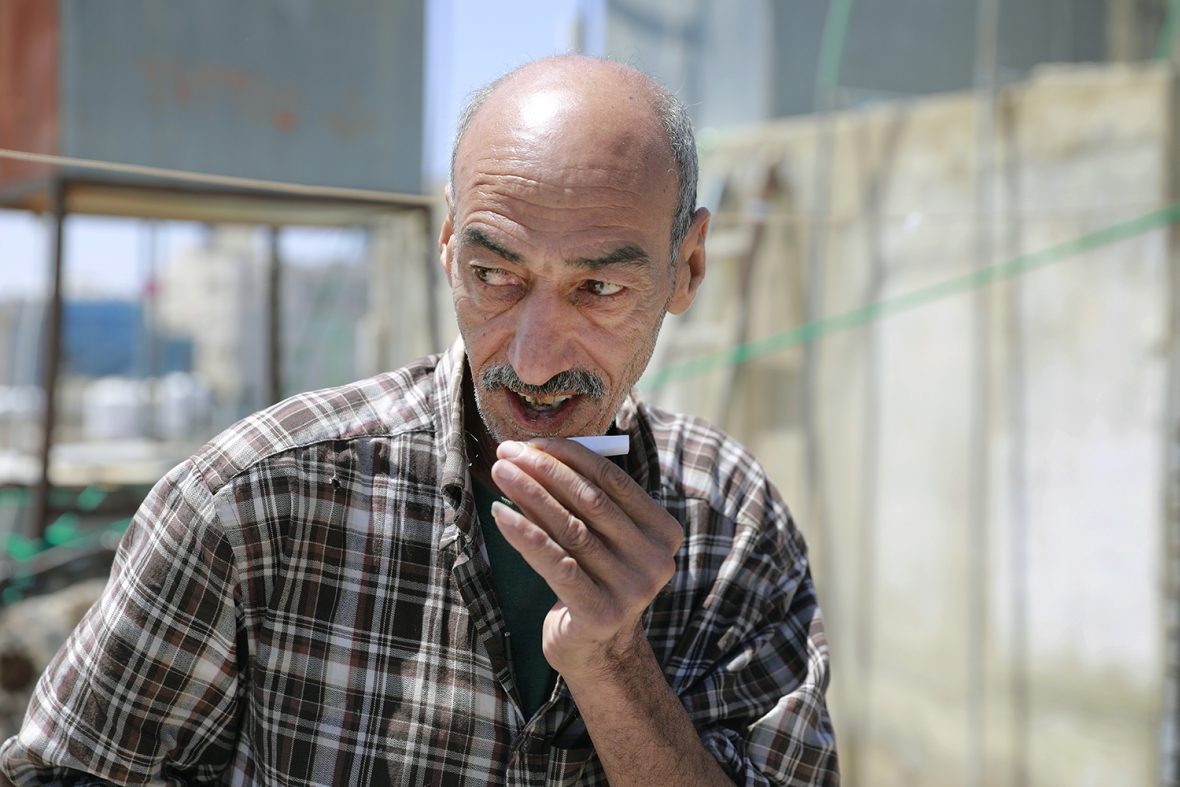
<point x="575" y="766"/>
<point x="571" y="758"/>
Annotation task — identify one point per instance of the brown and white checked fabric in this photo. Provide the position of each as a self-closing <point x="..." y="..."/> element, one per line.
<point x="305" y="601"/>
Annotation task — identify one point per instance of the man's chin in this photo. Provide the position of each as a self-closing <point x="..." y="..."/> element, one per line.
<point x="503" y="429"/>
<point x="501" y="432"/>
<point x="506" y="417"/>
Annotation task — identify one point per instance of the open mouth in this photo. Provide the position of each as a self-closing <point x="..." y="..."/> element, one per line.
<point x="550" y="408"/>
<point x="545" y="404"/>
<point x="542" y="413"/>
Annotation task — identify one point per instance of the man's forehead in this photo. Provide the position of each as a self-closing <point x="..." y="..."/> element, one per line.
<point x="540" y="109"/>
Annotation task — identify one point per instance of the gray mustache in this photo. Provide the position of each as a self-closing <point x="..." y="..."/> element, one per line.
<point x="577" y="381"/>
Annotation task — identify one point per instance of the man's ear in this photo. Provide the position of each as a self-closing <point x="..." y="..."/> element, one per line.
<point x="690" y="263"/>
<point x="447" y="234"/>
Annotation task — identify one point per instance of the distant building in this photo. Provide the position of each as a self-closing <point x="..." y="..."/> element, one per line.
<point x="109" y="337"/>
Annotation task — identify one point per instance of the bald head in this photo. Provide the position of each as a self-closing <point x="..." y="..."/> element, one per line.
<point x="593" y="103"/>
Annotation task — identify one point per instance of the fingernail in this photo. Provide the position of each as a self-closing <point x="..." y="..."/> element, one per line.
<point x="509" y="449"/>
<point x="502" y="506"/>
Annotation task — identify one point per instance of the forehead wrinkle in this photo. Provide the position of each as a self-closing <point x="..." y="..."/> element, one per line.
<point x="541" y="204"/>
<point x="542" y="192"/>
<point x="548" y="212"/>
<point x="528" y="174"/>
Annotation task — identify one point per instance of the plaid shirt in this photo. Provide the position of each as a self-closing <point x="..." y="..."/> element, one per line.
<point x="306" y="601"/>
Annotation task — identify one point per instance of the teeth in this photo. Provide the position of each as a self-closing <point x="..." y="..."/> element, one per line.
<point x="545" y="402"/>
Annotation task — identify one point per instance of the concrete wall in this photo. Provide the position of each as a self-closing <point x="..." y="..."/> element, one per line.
<point x="980" y="473"/>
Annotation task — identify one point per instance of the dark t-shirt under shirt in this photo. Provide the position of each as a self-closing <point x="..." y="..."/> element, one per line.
<point x="525" y="599"/>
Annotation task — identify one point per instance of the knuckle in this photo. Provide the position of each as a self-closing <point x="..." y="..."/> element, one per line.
<point x="660" y="569"/>
<point x="528" y="491"/>
<point x="669" y="533"/>
<point x="666" y="571"/>
<point x="567" y="570"/>
<point x="652" y="589"/>
<point x="594" y="501"/>
<point x="655" y="581"/>
<point x="535" y="538"/>
<point x="543" y="460"/>
<point x="577" y="536"/>
<point x="676" y="540"/>
<point x="612" y="477"/>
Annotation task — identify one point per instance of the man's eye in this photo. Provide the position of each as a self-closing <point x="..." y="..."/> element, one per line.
<point x="603" y="288"/>
<point x="495" y="277"/>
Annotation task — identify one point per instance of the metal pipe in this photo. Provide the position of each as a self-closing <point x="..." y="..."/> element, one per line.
<point x="274" y="303"/>
<point x="52" y="359"/>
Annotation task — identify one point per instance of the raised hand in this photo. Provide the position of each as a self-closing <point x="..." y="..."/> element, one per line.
<point x="596" y="537"/>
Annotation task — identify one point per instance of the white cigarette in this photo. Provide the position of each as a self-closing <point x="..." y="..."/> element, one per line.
<point x="606" y="445"/>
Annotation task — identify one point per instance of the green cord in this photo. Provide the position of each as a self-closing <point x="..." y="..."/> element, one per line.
<point x="957" y="285"/>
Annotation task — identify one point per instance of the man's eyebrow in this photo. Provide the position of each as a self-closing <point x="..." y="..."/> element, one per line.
<point x="479" y="238"/>
<point x="624" y="255"/>
<point x="629" y="254"/>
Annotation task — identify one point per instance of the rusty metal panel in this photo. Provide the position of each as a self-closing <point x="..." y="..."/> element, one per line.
<point x="28" y="84"/>
<point x="291" y="90"/>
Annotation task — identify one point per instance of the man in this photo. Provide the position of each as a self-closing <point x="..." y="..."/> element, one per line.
<point x="334" y="592"/>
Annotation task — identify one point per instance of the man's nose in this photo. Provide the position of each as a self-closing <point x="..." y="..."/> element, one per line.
<point x="540" y="346"/>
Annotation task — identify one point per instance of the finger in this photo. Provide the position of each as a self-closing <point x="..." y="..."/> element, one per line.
<point x="568" y="530"/>
<point x="576" y="497"/>
<point x="560" y="570"/>
<point x="602" y="474"/>
<point x="629" y="575"/>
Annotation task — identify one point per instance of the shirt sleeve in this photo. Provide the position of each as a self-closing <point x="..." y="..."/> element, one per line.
<point x="758" y="698"/>
<point x="145" y="690"/>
